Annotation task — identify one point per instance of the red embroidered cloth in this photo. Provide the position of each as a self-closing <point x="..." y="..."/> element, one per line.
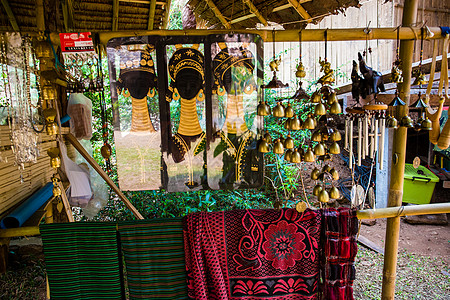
<point x="253" y="254"/>
<point x="340" y="227"/>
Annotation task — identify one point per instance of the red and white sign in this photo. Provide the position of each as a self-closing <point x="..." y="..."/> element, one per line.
<point x="76" y="42"/>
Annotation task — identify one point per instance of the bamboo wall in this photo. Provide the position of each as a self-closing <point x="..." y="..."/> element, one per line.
<point x="35" y="175"/>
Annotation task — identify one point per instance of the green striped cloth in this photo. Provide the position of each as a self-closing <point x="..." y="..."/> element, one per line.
<point x="153" y="251"/>
<point x="82" y="260"/>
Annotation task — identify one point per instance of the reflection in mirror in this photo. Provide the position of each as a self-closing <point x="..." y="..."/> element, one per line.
<point x="137" y="137"/>
<point x="232" y="159"/>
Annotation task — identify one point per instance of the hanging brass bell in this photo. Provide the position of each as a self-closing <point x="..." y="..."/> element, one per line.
<point x="316" y="136"/>
<point x="309" y="156"/>
<point x="317" y="189"/>
<point x="278" y="147"/>
<point x="268" y="137"/>
<point x="406" y="122"/>
<point x="55" y="162"/>
<point x="43" y="50"/>
<point x="335" y="108"/>
<point x="392" y="122"/>
<point x="287" y="124"/>
<point x="278" y="110"/>
<point x="106" y="151"/>
<point x="319" y="149"/>
<point x="323" y="196"/>
<point x="49" y="115"/>
<point x="334" y="148"/>
<point x="332" y="98"/>
<point x="309" y="123"/>
<point x="334" y="174"/>
<point x="320" y="110"/>
<point x="336" y="136"/>
<point x="334" y="193"/>
<point x="289" y="142"/>
<point x="288" y="155"/>
<point x="295" y="123"/>
<point x="300" y="73"/>
<point x="57" y="191"/>
<point x="48" y="92"/>
<point x="263" y="146"/>
<point x="289" y="111"/>
<point x="326" y="168"/>
<point x="315" y="174"/>
<point x="51" y="128"/>
<point x="263" y="109"/>
<point x="316" y="98"/>
<point x="426" y="124"/>
<point x="296" y="157"/>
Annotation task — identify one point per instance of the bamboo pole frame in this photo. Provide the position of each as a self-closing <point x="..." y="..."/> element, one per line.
<point x="291" y="35"/>
<point x="389" y="212"/>
<point x="398" y="159"/>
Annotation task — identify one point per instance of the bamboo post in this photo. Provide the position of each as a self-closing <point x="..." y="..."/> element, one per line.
<point x="398" y="163"/>
<point x="102" y="173"/>
<point x="66" y="203"/>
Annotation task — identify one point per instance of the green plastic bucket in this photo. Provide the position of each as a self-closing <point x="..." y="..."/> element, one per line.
<point x="419" y="185"/>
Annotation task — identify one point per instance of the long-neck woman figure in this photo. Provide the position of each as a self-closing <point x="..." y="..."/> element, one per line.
<point x="234" y="81"/>
<point x="185" y="163"/>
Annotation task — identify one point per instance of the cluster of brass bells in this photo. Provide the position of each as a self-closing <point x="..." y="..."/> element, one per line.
<point x="318" y="190"/>
<point x="331" y="100"/>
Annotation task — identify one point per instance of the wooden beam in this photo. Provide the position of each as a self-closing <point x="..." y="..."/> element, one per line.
<point x="256" y="12"/>
<point x="151" y="15"/>
<point x="166" y="15"/>
<point x="291" y="35"/>
<point x="279" y="8"/>
<point x="115" y="19"/>
<point x="11" y="17"/>
<point x="103" y="174"/>
<point x="301" y="11"/>
<point x="143" y="2"/>
<point x="218" y="14"/>
<point x="67" y="8"/>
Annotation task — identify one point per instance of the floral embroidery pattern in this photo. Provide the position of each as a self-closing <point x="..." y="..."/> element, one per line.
<point x="283" y="245"/>
<point x="249" y="288"/>
<point x="290" y="286"/>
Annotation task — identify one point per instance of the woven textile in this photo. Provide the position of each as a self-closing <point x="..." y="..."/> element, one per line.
<point x="82" y="260"/>
<point x="253" y="254"/>
<point x="340" y="227"/>
<point x="154" y="258"/>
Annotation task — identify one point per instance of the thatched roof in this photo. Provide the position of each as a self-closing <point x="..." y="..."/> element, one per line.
<point x="115" y="15"/>
<point x="291" y="14"/>
<point x="86" y="15"/>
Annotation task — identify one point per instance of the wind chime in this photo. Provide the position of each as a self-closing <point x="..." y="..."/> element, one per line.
<point x="16" y="59"/>
<point x="325" y="136"/>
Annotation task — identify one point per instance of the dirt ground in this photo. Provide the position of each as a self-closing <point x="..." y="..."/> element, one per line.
<point x="429" y="240"/>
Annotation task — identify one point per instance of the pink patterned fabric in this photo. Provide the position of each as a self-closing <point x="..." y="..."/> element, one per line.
<point x="253" y="254"/>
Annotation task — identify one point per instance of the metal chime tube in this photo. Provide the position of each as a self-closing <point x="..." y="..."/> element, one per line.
<point x="359" y="140"/>
<point x="350" y="146"/>
<point x="346" y="134"/>
<point x="366" y="135"/>
<point x="372" y="139"/>
<point x="375" y="136"/>
<point x="381" y="147"/>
